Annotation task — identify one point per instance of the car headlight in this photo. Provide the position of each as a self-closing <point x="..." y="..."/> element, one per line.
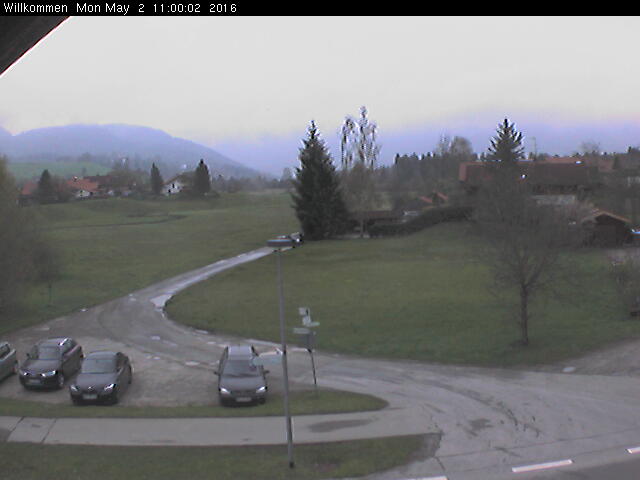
<point x="261" y="390"/>
<point x="109" y="387"/>
<point x="74" y="388"/>
<point x="23" y="372"/>
<point x="224" y="391"/>
<point x="48" y="374"/>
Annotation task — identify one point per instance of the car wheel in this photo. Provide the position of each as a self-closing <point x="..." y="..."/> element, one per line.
<point x="61" y="380"/>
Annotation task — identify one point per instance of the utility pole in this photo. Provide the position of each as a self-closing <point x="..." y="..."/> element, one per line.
<point x="278" y="244"/>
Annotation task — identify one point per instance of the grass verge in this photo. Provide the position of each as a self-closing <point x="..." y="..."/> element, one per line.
<point x="112" y="247"/>
<point x="329" y="460"/>
<point x="425" y="296"/>
<point x="301" y="402"/>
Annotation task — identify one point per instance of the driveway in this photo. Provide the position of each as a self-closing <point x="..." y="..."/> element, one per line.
<point x="476" y="419"/>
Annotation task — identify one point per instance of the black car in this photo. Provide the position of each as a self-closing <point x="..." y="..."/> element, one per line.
<point x="50" y="362"/>
<point x="104" y="376"/>
<point x="240" y="380"/>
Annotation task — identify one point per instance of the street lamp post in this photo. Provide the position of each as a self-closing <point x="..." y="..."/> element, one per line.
<point x="277" y="244"/>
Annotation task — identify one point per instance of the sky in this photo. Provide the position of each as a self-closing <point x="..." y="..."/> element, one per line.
<point x="236" y="80"/>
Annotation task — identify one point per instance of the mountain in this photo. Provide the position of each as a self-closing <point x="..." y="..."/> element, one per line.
<point x="115" y="142"/>
<point x="541" y="135"/>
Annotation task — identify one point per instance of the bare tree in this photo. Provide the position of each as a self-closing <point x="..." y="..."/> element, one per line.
<point x="590" y="147"/>
<point x="525" y="239"/>
<point x="359" y="154"/>
<point x="358" y="141"/>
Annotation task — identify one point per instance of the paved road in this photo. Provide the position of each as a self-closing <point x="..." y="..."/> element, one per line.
<point x="479" y="423"/>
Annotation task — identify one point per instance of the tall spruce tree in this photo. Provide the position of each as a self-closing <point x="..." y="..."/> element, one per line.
<point x="506" y="146"/>
<point x="317" y="199"/>
<point x="202" y="180"/>
<point x="46" y="191"/>
<point x="156" y="180"/>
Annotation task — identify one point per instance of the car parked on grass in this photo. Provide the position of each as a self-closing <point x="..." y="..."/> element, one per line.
<point x="103" y="378"/>
<point x="240" y="380"/>
<point x="8" y="360"/>
<point x="50" y="362"/>
<point x="296" y="238"/>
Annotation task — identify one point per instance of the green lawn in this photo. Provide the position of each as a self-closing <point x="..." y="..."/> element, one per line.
<point x="32" y="170"/>
<point x="112" y="247"/>
<point x="330" y="460"/>
<point x="301" y="402"/>
<point x="423" y="297"/>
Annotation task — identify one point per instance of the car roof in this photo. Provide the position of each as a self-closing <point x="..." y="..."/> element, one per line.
<point x="53" y="341"/>
<point x="240" y="351"/>
<point x="102" y="353"/>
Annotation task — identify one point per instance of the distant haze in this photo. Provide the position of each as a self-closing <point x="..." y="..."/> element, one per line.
<point x="273" y="153"/>
<point x="231" y="82"/>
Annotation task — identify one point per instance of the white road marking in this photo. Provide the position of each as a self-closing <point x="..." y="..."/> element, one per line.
<point x="442" y="477"/>
<point x="191" y="364"/>
<point x="633" y="450"/>
<point x="542" y="466"/>
<point x="262" y="342"/>
<point x="155" y="337"/>
<point x="569" y="369"/>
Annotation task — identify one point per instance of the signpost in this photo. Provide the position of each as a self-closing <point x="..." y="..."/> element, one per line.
<point x="308" y="337"/>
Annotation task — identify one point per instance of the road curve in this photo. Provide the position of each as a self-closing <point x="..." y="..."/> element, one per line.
<point x="478" y="422"/>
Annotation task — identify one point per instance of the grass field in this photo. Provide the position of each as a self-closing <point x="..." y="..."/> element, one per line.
<point x="111" y="247"/>
<point x="424" y="297"/>
<point x="32" y="170"/>
<point x="330" y="460"/>
<point x="301" y="402"/>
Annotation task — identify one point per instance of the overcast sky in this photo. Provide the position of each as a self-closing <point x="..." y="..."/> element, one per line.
<point x="219" y="79"/>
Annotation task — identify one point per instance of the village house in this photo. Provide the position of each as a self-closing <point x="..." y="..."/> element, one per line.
<point x="83" y="188"/>
<point x="545" y="178"/>
<point x="176" y="185"/>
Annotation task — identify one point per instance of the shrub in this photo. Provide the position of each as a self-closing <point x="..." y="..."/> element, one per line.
<point x="429" y="218"/>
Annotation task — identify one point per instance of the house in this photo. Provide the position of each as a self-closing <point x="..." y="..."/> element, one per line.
<point x="176" y="185"/>
<point x="105" y="184"/>
<point x="83" y="188"/>
<point x="545" y="178"/>
<point x="28" y="193"/>
<point x="606" y="229"/>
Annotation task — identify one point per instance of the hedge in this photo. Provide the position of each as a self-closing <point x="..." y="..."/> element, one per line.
<point x="429" y="218"/>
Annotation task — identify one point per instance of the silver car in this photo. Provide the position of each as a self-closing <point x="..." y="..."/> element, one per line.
<point x="8" y="360"/>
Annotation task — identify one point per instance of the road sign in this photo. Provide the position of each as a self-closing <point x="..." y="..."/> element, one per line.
<point x="301" y="330"/>
<point x="304" y="311"/>
<point x="267" y="360"/>
<point x="306" y="321"/>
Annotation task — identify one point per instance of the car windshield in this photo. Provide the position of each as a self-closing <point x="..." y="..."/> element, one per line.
<point x="240" y="368"/>
<point x="46" y="352"/>
<point x="98" y="365"/>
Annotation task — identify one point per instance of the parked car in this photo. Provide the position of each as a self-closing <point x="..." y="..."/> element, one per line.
<point x="50" y="362"/>
<point x="240" y="380"/>
<point x="103" y="377"/>
<point x="296" y="238"/>
<point x="8" y="360"/>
